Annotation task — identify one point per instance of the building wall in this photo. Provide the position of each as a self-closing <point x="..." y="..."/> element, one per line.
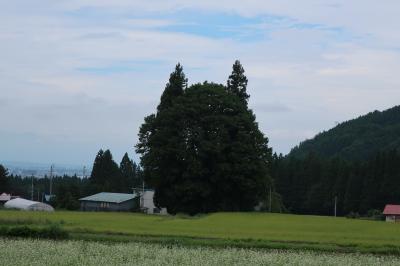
<point x="107" y="206"/>
<point x="148" y="204"/>
<point x="393" y="218"/>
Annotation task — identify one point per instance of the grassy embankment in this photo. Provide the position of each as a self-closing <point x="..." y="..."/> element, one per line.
<point x="255" y="230"/>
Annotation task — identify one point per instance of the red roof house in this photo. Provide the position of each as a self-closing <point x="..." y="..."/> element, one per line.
<point x="392" y="213"/>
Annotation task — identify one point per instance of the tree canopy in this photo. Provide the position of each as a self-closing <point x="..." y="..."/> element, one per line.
<point x="4" y="182"/>
<point x="204" y="152"/>
<point x="237" y="82"/>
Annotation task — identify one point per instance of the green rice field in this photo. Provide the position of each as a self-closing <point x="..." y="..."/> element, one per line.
<point x="252" y="230"/>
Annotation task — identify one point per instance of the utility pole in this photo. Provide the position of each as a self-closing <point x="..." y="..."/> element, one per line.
<point x="270" y="199"/>
<point x="335" y="204"/>
<point x="51" y="180"/>
<point x="143" y="195"/>
<point x="32" y="188"/>
<point x="84" y="171"/>
<point x="140" y="192"/>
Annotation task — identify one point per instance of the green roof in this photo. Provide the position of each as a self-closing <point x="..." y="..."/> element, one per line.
<point x="109" y="197"/>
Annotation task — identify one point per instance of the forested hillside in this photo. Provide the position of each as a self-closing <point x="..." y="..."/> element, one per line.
<point x="310" y="185"/>
<point x="357" y="162"/>
<point x="356" y="139"/>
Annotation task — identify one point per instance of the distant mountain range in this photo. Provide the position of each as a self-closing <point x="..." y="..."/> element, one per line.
<point x="356" y="139"/>
<point x="42" y="169"/>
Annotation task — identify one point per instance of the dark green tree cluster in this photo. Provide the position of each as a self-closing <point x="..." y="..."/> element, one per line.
<point x="310" y="185"/>
<point x="4" y="179"/>
<point x="202" y="151"/>
<point x="107" y="176"/>
<point x="68" y="190"/>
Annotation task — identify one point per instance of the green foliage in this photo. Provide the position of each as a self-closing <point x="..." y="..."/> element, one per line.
<point x="130" y="174"/>
<point x="237" y="82"/>
<point x="4" y="179"/>
<point x="375" y="214"/>
<point x="356" y="139"/>
<point x="105" y="173"/>
<point x="353" y="215"/>
<point x="53" y="231"/>
<point x="310" y="185"/>
<point x="203" y="151"/>
<point x="68" y="190"/>
<point x="174" y="88"/>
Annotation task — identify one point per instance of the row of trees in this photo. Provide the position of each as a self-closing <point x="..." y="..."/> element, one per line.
<point x="106" y="176"/>
<point x="310" y="185"/>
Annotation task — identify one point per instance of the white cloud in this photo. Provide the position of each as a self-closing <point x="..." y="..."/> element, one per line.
<point x="89" y="70"/>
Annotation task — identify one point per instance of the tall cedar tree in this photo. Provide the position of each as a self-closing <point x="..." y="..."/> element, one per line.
<point x="105" y="174"/>
<point x="128" y="174"/>
<point x="174" y="88"/>
<point x="4" y="182"/>
<point x="205" y="153"/>
<point x="237" y="82"/>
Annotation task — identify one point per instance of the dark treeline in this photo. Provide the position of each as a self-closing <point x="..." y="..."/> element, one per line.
<point x="68" y="189"/>
<point x="310" y="185"/>
<point x="106" y="176"/>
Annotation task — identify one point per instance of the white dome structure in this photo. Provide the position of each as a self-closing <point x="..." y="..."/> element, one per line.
<point x="27" y="205"/>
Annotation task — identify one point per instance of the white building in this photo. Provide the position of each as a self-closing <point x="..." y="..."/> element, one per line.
<point x="27" y="205"/>
<point x="147" y="203"/>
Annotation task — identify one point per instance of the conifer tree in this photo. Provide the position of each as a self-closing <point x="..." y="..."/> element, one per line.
<point x="4" y="184"/>
<point x="128" y="173"/>
<point x="105" y="174"/>
<point x="237" y="82"/>
<point x="97" y="175"/>
<point x="176" y="85"/>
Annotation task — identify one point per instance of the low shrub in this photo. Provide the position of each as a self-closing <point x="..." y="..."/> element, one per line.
<point x="353" y="215"/>
<point x="375" y="215"/>
<point x="53" y="231"/>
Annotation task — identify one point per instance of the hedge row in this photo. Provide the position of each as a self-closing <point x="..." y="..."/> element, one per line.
<point x="53" y="231"/>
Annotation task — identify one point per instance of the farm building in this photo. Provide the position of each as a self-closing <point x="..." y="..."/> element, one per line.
<point x="392" y="213"/>
<point x="27" y="205"/>
<point x="106" y="201"/>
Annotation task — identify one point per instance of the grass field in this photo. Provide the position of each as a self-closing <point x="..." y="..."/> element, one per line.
<point x="225" y="229"/>
<point x="45" y="252"/>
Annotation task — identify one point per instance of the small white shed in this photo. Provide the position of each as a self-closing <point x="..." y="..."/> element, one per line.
<point x="147" y="203"/>
<point x="27" y="205"/>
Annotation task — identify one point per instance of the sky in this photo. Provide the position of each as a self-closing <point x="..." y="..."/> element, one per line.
<point x="80" y="75"/>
